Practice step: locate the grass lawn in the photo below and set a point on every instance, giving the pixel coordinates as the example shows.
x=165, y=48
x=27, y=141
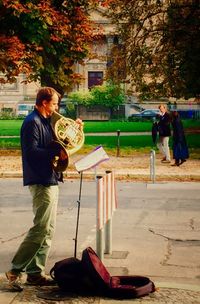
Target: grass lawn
x=109, y=126
x=125, y=142
x=12, y=127
x=139, y=141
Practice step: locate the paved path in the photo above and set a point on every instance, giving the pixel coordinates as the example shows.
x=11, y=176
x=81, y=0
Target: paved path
x=98, y=134
x=196, y=131
x=155, y=233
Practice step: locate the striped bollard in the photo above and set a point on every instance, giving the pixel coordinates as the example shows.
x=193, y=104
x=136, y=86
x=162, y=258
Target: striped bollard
x=111, y=205
x=113, y=192
x=108, y=209
x=100, y=218
x=153, y=165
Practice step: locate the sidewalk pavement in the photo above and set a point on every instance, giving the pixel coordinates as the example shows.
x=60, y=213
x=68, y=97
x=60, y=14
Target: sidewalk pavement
x=167, y=292
x=136, y=174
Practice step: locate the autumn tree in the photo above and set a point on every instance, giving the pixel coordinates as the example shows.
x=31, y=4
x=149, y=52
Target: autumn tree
x=161, y=43
x=44, y=39
x=116, y=64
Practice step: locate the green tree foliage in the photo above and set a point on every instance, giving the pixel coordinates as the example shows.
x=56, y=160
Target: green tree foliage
x=82, y=97
x=108, y=95
x=44, y=39
x=162, y=45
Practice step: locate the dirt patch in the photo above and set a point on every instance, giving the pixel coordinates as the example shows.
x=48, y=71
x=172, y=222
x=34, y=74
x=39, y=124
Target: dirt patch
x=133, y=167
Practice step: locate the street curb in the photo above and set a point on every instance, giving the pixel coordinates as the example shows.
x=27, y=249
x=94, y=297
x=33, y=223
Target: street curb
x=175, y=185
x=181, y=286
x=162, y=180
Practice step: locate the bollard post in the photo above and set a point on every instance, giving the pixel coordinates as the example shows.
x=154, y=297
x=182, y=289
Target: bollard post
x=108, y=219
x=100, y=218
x=152, y=165
x=108, y=236
x=118, y=143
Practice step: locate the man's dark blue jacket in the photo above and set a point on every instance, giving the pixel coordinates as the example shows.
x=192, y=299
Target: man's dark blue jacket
x=36, y=135
x=164, y=125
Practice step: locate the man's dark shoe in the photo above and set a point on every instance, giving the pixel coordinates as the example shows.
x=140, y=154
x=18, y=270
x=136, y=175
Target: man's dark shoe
x=175, y=165
x=39, y=280
x=182, y=161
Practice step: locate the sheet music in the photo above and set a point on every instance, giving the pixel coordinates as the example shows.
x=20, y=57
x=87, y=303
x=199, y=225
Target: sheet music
x=91, y=160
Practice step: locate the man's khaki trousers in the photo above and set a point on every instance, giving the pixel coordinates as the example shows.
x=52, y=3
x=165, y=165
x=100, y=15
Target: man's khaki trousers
x=33, y=252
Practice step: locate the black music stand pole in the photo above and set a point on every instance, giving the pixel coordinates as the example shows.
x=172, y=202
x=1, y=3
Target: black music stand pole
x=78, y=213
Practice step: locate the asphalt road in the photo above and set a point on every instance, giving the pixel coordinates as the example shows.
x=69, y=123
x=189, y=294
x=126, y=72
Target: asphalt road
x=156, y=227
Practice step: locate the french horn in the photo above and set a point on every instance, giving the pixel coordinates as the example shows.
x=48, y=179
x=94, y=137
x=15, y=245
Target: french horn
x=69, y=136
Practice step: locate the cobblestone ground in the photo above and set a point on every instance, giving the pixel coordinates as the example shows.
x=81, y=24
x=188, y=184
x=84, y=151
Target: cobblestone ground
x=47, y=295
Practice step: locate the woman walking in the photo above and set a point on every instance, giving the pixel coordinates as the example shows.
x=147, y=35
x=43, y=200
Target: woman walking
x=180, y=149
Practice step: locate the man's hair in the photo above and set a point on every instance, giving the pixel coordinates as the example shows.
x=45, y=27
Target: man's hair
x=162, y=104
x=45, y=93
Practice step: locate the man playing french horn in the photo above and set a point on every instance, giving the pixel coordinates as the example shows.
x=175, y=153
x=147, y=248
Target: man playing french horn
x=44, y=157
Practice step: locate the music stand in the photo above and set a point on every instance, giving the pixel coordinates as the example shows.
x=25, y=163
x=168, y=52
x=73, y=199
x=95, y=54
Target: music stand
x=78, y=214
x=91, y=160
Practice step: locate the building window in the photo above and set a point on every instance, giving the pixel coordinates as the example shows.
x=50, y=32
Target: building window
x=94, y=78
x=8, y=86
x=24, y=109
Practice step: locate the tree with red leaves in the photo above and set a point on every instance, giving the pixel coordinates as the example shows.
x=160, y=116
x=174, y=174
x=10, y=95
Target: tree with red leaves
x=44, y=39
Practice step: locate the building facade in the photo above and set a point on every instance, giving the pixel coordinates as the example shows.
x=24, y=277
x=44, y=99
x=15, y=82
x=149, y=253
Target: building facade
x=16, y=94
x=19, y=97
